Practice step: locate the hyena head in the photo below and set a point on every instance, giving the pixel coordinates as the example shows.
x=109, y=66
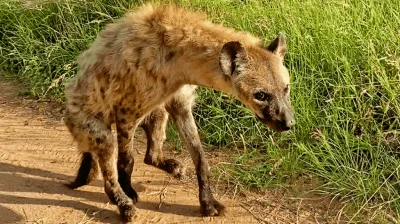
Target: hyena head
x=260, y=81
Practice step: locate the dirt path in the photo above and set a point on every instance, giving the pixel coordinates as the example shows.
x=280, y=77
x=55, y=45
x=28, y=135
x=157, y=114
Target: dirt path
x=38, y=156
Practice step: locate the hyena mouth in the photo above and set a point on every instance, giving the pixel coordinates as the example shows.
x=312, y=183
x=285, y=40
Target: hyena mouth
x=276, y=125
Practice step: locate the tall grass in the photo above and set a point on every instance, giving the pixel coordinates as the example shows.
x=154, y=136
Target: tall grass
x=344, y=60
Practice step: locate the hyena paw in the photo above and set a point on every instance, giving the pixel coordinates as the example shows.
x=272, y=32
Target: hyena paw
x=73, y=185
x=131, y=193
x=175, y=168
x=213, y=208
x=127, y=211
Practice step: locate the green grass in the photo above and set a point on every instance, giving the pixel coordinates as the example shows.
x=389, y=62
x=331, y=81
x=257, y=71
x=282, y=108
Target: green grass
x=344, y=60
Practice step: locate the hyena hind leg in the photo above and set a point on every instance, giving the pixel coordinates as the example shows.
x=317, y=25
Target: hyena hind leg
x=154, y=126
x=94, y=135
x=87, y=172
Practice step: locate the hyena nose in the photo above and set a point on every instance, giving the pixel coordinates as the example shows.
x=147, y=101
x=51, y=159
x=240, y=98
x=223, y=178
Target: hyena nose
x=290, y=123
x=288, y=119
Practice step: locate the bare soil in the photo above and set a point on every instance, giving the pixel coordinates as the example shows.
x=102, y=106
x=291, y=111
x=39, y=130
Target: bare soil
x=38, y=157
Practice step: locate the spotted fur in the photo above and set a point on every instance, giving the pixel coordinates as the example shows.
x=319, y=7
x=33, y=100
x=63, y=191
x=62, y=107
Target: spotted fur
x=142, y=70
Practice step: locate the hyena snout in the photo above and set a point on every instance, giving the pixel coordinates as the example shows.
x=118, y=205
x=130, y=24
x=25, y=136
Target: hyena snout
x=280, y=118
x=286, y=118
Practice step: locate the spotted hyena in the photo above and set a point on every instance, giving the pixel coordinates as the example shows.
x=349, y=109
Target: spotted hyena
x=145, y=67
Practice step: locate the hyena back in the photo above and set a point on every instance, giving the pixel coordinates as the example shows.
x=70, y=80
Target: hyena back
x=144, y=68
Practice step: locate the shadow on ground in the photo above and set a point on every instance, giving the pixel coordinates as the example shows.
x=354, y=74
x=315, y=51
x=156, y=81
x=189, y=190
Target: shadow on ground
x=22, y=179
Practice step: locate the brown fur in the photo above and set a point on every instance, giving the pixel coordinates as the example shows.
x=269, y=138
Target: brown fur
x=142, y=69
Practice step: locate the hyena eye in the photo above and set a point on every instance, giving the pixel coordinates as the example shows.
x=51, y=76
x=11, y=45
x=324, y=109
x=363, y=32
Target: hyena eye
x=261, y=96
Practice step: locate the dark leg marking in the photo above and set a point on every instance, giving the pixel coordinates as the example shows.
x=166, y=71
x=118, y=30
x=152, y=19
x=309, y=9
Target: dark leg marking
x=87, y=172
x=125, y=169
x=169, y=56
x=125, y=156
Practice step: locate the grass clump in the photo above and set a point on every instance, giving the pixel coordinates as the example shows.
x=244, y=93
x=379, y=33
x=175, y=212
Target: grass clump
x=344, y=59
x=40, y=40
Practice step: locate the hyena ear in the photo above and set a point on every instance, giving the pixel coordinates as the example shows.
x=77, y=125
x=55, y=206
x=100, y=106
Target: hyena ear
x=232, y=57
x=278, y=46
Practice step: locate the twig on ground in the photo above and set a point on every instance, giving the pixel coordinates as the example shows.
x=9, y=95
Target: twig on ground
x=102, y=209
x=391, y=218
x=253, y=214
x=26, y=217
x=162, y=193
x=297, y=212
x=83, y=217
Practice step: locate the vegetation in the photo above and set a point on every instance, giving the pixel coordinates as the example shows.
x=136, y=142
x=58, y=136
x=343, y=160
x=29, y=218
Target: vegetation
x=344, y=59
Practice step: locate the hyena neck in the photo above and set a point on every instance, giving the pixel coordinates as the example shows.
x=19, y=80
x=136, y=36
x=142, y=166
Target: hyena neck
x=201, y=67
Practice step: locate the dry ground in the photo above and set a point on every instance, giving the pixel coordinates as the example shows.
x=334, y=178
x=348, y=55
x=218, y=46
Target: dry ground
x=38, y=156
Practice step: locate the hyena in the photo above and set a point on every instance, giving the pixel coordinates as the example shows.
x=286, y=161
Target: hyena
x=145, y=67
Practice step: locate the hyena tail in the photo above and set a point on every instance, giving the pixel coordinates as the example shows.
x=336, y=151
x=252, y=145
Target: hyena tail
x=87, y=172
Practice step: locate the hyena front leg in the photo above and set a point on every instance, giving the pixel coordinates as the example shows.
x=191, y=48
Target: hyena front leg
x=88, y=170
x=94, y=135
x=180, y=110
x=154, y=126
x=125, y=162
